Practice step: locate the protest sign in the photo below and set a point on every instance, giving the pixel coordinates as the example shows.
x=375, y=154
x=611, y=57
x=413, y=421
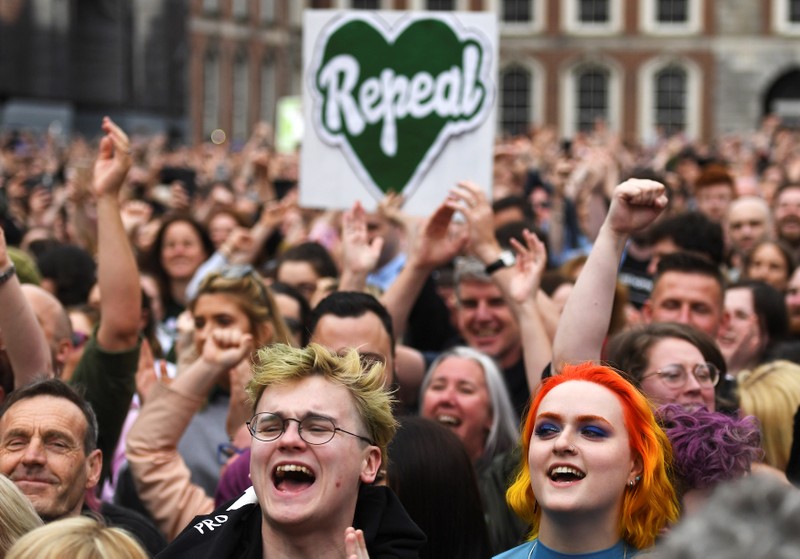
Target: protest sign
x=396, y=101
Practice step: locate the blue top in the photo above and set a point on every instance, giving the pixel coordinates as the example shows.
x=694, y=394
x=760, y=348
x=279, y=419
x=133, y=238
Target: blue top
x=384, y=277
x=526, y=551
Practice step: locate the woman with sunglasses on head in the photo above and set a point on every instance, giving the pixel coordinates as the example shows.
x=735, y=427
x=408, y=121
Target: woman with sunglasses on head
x=592, y=480
x=234, y=314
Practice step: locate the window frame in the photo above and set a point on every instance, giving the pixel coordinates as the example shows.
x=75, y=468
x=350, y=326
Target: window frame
x=649, y=24
x=780, y=19
x=348, y=5
x=571, y=24
x=568, y=83
x=420, y=5
x=535, y=92
x=535, y=25
x=647, y=96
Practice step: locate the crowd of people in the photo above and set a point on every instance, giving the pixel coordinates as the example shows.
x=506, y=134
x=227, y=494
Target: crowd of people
x=571, y=361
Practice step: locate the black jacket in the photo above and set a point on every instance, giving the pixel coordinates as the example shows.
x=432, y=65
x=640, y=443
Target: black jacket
x=234, y=529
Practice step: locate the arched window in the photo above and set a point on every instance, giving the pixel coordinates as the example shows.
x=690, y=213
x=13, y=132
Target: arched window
x=592, y=95
x=783, y=98
x=668, y=97
x=515, y=101
x=670, y=100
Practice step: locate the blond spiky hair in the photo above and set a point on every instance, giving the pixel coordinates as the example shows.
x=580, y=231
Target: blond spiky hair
x=282, y=364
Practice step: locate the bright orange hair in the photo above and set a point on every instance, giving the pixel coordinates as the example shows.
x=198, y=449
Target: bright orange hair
x=646, y=507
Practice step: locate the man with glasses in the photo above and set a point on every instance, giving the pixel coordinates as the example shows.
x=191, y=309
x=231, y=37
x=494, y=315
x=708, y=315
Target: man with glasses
x=320, y=428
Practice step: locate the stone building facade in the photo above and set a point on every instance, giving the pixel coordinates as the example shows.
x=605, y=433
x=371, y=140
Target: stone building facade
x=643, y=67
x=71, y=61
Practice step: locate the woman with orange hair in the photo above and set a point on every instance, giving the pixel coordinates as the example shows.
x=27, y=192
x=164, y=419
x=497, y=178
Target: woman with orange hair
x=592, y=479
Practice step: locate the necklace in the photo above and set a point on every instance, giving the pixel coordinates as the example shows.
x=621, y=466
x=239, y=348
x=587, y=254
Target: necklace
x=624, y=550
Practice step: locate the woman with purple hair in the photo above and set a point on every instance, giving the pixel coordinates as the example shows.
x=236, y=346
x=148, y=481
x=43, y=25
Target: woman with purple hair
x=708, y=448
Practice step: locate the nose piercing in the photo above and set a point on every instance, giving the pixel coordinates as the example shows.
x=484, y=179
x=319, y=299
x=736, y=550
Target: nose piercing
x=571, y=448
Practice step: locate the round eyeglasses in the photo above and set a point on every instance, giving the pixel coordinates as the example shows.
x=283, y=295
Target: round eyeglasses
x=313, y=429
x=676, y=375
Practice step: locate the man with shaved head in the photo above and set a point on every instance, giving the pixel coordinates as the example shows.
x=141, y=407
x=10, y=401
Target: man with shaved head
x=747, y=223
x=54, y=322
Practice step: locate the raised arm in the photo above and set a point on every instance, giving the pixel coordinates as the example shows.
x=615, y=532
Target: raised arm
x=584, y=323
x=433, y=246
x=242, y=245
x=22, y=336
x=359, y=256
x=117, y=273
x=107, y=369
x=162, y=478
x=519, y=284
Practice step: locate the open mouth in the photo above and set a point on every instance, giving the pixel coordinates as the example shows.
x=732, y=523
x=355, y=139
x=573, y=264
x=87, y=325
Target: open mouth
x=565, y=474
x=448, y=420
x=486, y=331
x=292, y=477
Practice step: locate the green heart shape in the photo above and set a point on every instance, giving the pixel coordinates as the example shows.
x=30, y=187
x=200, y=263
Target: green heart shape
x=437, y=86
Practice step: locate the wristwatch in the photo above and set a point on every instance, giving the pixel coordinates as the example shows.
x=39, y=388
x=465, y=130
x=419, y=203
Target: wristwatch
x=505, y=260
x=8, y=274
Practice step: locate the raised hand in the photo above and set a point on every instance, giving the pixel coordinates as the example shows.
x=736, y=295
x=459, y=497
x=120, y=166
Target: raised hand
x=635, y=204
x=146, y=373
x=470, y=200
x=275, y=211
x=226, y=347
x=583, y=325
x=359, y=255
x=113, y=160
x=434, y=243
x=135, y=214
x=240, y=247
x=529, y=267
x=391, y=207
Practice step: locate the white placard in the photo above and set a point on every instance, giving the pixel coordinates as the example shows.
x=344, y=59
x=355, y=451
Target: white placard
x=400, y=100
